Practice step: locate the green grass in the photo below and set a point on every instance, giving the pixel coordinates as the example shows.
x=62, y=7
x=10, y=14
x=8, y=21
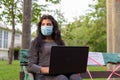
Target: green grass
x=97, y=68
x=9, y=72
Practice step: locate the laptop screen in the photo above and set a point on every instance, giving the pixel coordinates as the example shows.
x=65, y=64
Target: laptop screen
x=68, y=59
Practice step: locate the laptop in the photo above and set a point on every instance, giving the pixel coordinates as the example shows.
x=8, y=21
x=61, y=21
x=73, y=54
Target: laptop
x=68, y=59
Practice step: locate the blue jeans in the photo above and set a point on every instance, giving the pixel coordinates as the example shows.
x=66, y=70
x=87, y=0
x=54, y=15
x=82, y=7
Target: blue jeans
x=58, y=77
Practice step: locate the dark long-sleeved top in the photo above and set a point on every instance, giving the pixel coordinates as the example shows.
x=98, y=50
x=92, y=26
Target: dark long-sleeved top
x=39, y=58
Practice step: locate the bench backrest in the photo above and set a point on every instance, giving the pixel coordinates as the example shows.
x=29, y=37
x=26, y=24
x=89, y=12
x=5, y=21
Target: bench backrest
x=24, y=57
x=108, y=57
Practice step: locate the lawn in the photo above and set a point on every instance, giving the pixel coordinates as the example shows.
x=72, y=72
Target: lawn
x=9, y=72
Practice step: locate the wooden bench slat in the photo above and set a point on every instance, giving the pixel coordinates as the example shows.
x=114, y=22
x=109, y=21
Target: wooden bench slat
x=100, y=74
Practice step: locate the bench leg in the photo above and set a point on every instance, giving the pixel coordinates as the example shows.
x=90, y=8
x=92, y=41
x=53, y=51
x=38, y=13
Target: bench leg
x=21, y=75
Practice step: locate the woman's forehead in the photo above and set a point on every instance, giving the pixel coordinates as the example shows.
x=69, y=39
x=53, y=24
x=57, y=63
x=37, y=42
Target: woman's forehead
x=46, y=21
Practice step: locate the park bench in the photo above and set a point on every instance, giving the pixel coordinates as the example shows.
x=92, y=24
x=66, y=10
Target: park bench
x=107, y=57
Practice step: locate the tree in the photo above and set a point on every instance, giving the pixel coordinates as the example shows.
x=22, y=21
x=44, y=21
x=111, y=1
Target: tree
x=26, y=28
x=8, y=16
x=89, y=29
x=98, y=21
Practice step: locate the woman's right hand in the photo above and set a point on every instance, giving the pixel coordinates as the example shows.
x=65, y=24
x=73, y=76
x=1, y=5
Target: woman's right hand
x=44, y=70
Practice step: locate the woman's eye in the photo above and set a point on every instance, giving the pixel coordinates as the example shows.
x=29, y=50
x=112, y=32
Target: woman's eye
x=49, y=24
x=42, y=24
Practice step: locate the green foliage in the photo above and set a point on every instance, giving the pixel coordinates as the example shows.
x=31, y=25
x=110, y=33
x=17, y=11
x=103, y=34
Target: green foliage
x=59, y=16
x=6, y=14
x=17, y=49
x=37, y=10
x=54, y=1
x=88, y=30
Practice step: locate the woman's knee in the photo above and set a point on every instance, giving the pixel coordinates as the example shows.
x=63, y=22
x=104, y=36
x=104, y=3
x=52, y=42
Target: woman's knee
x=75, y=77
x=39, y=77
x=61, y=77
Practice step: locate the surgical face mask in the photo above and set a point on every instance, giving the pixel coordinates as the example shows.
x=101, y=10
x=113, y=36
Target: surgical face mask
x=46, y=30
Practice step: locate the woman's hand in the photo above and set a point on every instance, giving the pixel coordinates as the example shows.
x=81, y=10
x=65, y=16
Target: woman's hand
x=44, y=70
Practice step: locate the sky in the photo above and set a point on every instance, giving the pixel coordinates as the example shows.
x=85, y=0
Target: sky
x=72, y=8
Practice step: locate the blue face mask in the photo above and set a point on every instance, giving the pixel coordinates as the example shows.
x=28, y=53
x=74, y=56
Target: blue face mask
x=46, y=30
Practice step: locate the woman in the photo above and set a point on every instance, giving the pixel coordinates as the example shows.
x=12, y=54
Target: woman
x=39, y=55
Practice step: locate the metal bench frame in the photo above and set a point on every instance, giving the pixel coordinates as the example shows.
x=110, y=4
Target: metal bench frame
x=25, y=75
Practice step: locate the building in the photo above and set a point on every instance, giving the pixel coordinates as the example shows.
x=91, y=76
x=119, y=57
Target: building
x=5, y=41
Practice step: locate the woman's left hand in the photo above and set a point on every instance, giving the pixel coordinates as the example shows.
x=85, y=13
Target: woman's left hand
x=44, y=70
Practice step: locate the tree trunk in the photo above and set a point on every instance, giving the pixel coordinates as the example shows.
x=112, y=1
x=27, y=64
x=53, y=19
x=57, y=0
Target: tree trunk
x=11, y=49
x=26, y=24
x=113, y=30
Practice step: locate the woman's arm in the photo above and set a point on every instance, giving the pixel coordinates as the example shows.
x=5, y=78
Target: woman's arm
x=33, y=59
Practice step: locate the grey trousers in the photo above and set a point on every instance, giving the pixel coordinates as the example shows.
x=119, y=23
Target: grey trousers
x=58, y=77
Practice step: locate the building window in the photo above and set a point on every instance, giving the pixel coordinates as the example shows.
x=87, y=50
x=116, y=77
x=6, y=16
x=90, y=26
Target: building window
x=5, y=45
x=0, y=38
x=17, y=36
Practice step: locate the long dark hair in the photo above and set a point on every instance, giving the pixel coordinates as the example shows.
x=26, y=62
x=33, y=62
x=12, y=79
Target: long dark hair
x=56, y=35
